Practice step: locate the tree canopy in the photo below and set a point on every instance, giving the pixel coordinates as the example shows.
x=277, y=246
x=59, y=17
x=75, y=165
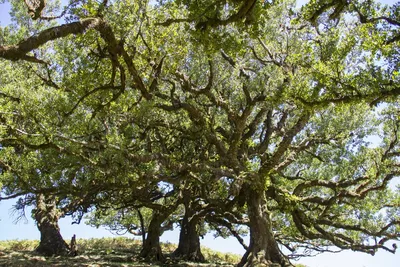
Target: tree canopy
x=227, y=115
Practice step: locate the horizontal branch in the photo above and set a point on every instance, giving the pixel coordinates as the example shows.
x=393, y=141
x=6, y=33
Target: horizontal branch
x=19, y=51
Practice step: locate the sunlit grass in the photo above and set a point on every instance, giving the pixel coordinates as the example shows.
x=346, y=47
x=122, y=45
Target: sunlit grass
x=120, y=251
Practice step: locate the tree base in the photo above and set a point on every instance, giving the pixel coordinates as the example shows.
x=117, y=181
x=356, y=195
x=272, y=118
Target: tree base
x=259, y=259
x=194, y=257
x=153, y=254
x=59, y=249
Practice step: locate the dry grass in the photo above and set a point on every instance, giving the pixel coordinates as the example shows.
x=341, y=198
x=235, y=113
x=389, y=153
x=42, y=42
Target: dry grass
x=100, y=252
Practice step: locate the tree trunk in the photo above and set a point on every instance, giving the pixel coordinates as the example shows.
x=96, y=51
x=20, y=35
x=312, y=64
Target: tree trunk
x=189, y=240
x=151, y=250
x=263, y=249
x=142, y=227
x=46, y=216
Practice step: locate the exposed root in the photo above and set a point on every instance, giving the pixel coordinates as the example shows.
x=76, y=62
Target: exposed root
x=260, y=260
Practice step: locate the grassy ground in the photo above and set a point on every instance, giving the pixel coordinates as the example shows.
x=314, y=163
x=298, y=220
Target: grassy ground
x=100, y=252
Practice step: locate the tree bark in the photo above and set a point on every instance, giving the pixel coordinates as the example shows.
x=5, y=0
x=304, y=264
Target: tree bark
x=142, y=227
x=189, y=239
x=46, y=216
x=19, y=51
x=263, y=249
x=151, y=250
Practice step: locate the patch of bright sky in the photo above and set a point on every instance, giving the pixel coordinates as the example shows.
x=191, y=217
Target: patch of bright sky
x=5, y=18
x=28, y=230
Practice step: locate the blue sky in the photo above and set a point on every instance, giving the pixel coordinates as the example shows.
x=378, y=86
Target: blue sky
x=28, y=230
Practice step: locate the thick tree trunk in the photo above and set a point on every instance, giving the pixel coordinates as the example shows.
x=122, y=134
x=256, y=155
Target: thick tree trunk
x=189, y=241
x=263, y=249
x=46, y=216
x=151, y=250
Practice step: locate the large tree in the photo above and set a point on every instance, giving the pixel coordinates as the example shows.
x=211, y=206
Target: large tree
x=276, y=105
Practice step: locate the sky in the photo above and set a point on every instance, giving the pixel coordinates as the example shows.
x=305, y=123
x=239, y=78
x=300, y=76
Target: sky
x=27, y=229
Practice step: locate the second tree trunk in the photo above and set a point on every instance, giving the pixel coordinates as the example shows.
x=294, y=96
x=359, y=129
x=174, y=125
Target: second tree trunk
x=151, y=250
x=189, y=241
x=263, y=249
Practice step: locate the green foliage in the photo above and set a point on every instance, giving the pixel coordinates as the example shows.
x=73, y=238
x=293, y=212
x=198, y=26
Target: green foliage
x=209, y=105
x=121, y=221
